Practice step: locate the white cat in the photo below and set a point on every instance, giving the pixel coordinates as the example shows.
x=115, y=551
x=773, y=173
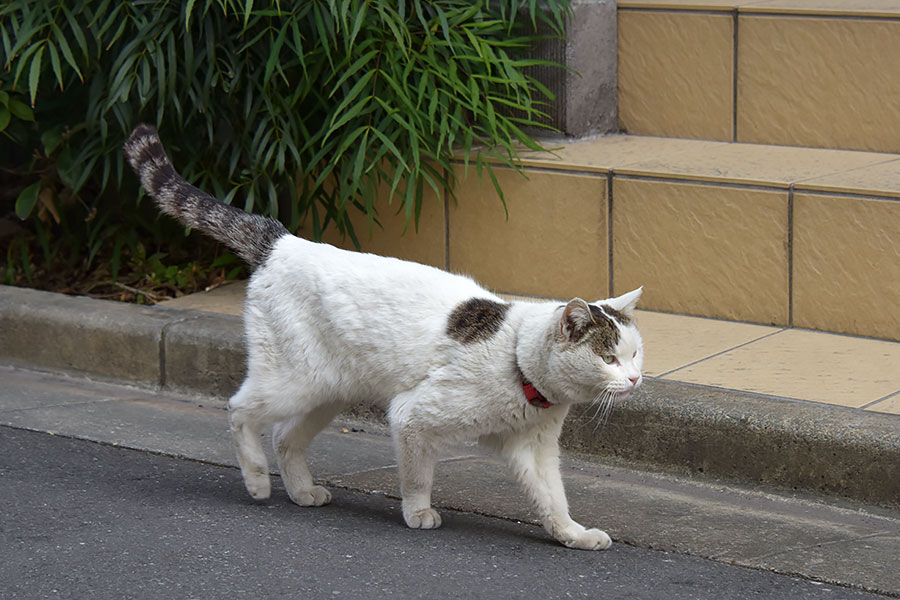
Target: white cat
x=448, y=360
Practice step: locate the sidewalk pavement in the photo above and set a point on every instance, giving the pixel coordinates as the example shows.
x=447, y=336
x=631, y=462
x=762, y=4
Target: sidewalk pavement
x=789, y=533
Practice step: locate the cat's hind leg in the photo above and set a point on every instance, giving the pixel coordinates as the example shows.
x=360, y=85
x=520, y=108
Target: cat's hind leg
x=291, y=439
x=246, y=413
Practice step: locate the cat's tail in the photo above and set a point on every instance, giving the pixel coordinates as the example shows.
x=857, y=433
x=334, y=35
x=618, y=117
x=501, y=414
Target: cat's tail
x=250, y=236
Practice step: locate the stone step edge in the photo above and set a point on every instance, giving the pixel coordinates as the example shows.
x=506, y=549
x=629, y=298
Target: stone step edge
x=666, y=425
x=581, y=156
x=753, y=7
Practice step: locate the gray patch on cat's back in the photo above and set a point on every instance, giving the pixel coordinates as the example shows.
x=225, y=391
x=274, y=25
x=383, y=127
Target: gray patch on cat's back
x=476, y=320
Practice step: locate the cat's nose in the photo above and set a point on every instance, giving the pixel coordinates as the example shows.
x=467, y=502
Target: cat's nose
x=634, y=380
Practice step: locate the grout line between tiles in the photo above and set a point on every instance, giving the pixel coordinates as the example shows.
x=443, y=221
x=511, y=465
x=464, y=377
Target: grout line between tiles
x=609, y=217
x=667, y=373
x=569, y=169
x=790, y=254
x=880, y=400
x=694, y=179
x=843, y=193
x=734, y=79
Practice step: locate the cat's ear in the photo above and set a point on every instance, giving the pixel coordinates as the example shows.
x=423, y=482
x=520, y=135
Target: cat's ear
x=576, y=319
x=626, y=302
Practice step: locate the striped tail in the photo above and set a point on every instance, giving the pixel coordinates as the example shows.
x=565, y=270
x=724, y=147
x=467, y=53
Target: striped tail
x=250, y=236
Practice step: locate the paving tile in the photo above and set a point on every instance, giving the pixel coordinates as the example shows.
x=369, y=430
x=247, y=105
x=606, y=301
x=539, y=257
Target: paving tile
x=723, y=5
x=881, y=179
x=675, y=341
x=871, y=553
x=676, y=74
x=554, y=242
x=607, y=152
x=889, y=405
x=847, y=265
x=805, y=365
x=227, y=299
x=750, y=164
x=42, y=392
x=851, y=8
x=702, y=250
x=724, y=162
x=819, y=82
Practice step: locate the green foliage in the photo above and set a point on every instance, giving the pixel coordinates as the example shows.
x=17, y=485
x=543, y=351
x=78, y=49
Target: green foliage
x=300, y=111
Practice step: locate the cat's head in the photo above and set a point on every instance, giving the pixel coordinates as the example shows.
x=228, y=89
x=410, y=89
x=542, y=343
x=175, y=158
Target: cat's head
x=597, y=349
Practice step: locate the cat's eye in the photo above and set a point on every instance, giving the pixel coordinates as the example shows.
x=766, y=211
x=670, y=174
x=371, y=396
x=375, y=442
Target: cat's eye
x=610, y=359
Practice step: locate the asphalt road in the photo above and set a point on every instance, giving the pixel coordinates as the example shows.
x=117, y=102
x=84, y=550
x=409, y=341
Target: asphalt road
x=84, y=520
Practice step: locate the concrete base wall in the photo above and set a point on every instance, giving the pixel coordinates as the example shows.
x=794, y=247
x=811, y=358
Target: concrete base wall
x=586, y=92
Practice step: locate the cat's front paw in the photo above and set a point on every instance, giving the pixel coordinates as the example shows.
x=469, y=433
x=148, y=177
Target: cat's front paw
x=258, y=485
x=589, y=539
x=314, y=496
x=423, y=519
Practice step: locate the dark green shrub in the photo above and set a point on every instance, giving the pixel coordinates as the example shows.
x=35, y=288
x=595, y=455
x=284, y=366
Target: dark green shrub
x=298, y=110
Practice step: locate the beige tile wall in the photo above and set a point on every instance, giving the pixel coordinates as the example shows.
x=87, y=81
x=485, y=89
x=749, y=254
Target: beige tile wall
x=703, y=226
x=821, y=82
x=702, y=249
x=395, y=237
x=554, y=244
x=819, y=74
x=676, y=74
x=847, y=265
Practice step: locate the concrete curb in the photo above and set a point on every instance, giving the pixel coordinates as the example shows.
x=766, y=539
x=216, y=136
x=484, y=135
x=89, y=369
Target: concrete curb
x=719, y=433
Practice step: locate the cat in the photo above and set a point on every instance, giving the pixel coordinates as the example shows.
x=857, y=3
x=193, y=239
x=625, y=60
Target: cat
x=448, y=360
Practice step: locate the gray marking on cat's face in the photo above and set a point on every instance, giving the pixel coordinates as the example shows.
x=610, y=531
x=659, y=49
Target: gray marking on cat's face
x=603, y=335
x=598, y=330
x=615, y=314
x=476, y=320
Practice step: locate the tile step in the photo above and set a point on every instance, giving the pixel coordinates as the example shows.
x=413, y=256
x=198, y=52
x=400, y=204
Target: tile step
x=776, y=235
x=843, y=8
x=875, y=174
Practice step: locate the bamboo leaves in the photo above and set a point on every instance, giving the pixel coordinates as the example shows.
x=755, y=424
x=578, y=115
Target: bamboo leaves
x=299, y=110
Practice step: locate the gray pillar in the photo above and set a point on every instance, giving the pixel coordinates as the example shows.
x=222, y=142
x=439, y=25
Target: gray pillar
x=585, y=99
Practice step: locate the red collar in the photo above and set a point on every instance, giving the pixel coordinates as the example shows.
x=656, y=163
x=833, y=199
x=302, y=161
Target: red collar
x=534, y=397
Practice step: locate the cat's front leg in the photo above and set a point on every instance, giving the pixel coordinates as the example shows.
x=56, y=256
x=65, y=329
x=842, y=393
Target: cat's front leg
x=535, y=463
x=416, y=459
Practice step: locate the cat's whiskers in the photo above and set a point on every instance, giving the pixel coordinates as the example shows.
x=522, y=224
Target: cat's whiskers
x=604, y=402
